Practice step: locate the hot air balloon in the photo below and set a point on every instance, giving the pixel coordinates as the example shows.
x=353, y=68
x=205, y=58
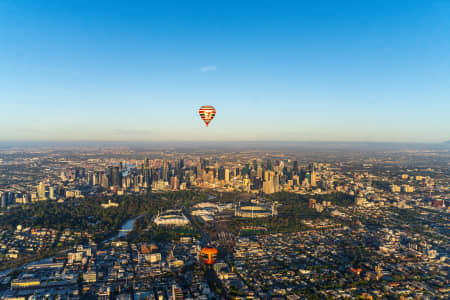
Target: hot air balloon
x=208, y=255
x=207, y=113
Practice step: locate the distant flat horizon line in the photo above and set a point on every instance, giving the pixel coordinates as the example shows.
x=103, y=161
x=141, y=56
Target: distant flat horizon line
x=92, y=141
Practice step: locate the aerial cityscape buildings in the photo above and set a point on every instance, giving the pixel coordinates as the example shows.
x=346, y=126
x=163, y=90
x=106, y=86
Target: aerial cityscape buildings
x=121, y=223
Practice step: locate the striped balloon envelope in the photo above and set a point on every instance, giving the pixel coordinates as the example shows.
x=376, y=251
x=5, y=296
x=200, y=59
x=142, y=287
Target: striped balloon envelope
x=207, y=113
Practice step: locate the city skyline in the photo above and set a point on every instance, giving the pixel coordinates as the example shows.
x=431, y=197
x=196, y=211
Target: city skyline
x=363, y=72
x=148, y=223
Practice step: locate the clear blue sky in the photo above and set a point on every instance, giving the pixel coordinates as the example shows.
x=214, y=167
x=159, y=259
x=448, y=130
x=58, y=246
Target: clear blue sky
x=274, y=70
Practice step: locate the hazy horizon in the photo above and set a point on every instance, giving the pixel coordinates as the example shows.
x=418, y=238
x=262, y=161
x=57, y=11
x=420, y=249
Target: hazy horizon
x=321, y=146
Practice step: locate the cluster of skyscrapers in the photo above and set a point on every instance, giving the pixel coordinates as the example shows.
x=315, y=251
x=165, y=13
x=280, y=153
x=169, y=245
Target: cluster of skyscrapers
x=159, y=175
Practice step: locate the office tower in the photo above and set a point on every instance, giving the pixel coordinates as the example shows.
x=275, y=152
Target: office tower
x=269, y=175
x=276, y=183
x=123, y=165
x=116, y=177
x=268, y=187
x=266, y=176
x=79, y=173
x=181, y=164
x=154, y=176
x=96, y=178
x=313, y=178
x=146, y=173
x=203, y=163
x=175, y=183
x=269, y=164
x=41, y=191
x=140, y=180
x=165, y=170
x=104, y=181
x=211, y=176
x=307, y=180
x=227, y=175
x=51, y=193
x=221, y=173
